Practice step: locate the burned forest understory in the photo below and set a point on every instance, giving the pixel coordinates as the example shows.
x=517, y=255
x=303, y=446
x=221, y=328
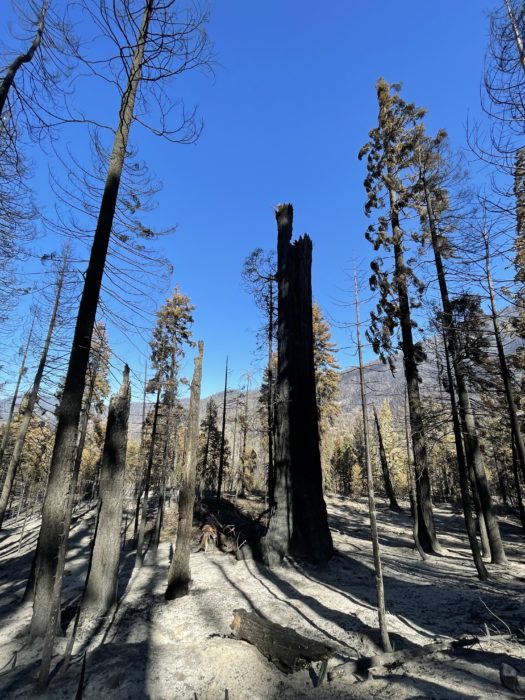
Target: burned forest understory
x=143, y=648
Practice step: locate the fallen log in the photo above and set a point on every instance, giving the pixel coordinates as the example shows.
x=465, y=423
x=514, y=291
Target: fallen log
x=397, y=658
x=283, y=646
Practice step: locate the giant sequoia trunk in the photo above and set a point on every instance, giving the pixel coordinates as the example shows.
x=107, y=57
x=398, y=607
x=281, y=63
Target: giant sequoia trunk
x=179, y=575
x=56, y=516
x=101, y=589
x=298, y=521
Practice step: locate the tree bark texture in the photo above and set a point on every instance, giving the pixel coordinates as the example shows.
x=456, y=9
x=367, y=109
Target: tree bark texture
x=286, y=648
x=179, y=575
x=298, y=521
x=101, y=590
x=55, y=521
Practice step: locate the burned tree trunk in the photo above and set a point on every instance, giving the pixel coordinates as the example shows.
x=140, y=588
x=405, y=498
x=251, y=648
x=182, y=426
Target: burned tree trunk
x=389, y=488
x=29, y=402
x=298, y=521
x=179, y=574
x=223, y=436
x=101, y=590
x=139, y=556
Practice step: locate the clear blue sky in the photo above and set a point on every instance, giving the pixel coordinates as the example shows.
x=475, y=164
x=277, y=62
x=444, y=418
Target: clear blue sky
x=289, y=107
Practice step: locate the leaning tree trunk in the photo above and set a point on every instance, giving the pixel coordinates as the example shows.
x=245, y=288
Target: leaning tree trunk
x=55, y=521
x=179, y=575
x=29, y=402
x=6, y=83
x=473, y=450
x=298, y=521
x=7, y=424
x=389, y=487
x=101, y=589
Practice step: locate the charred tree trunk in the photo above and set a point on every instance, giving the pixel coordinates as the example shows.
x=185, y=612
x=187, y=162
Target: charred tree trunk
x=473, y=450
x=139, y=557
x=389, y=488
x=380, y=588
x=270, y=401
x=179, y=575
x=29, y=402
x=12, y=69
x=412, y=486
x=517, y=437
x=517, y=485
x=223, y=436
x=425, y=513
x=298, y=522
x=7, y=424
x=101, y=590
x=464, y=475
x=54, y=520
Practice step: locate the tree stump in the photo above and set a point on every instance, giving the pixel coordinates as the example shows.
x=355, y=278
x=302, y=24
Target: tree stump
x=283, y=646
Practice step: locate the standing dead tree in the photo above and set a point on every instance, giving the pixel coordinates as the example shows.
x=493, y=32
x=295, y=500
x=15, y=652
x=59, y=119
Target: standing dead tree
x=179, y=575
x=101, y=589
x=380, y=588
x=29, y=403
x=155, y=43
x=298, y=522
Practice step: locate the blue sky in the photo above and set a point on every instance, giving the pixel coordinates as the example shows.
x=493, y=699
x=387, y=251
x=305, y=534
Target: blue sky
x=288, y=109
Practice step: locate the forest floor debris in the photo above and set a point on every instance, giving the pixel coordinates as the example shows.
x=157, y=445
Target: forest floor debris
x=158, y=650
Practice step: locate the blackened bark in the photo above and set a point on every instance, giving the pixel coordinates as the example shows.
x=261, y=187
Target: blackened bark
x=470, y=525
x=56, y=522
x=389, y=487
x=298, y=522
x=101, y=590
x=139, y=556
x=179, y=575
x=473, y=450
x=223, y=436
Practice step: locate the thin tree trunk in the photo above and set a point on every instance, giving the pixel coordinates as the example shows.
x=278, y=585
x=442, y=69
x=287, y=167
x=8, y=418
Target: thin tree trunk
x=54, y=519
x=179, y=575
x=473, y=450
x=463, y=474
x=504, y=367
x=141, y=455
x=389, y=488
x=12, y=69
x=517, y=485
x=270, y=402
x=101, y=590
x=139, y=557
x=223, y=436
x=29, y=401
x=380, y=589
x=298, y=522
x=7, y=424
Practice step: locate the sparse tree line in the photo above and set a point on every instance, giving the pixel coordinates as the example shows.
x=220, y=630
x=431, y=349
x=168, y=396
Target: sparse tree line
x=449, y=320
